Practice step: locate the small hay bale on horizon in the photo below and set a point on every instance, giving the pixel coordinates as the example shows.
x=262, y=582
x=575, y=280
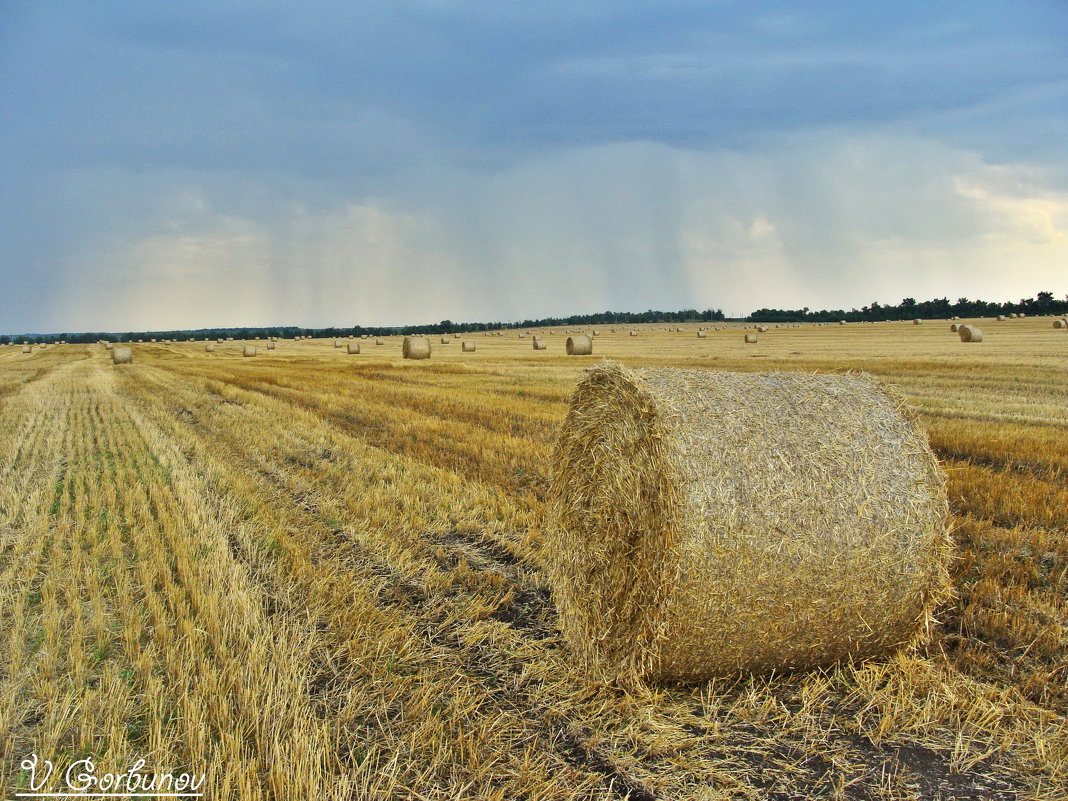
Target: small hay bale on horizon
x=678, y=550
x=579, y=345
x=917, y=321
x=415, y=348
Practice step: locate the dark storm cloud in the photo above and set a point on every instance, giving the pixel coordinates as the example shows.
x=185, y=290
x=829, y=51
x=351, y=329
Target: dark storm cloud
x=132, y=129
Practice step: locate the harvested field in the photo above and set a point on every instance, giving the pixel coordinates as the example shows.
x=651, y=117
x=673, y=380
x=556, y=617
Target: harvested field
x=306, y=577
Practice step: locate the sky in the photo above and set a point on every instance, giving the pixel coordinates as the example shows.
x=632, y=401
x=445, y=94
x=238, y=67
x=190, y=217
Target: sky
x=197, y=164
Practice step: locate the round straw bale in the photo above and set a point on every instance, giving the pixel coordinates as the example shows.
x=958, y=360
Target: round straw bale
x=521, y=335
x=579, y=345
x=750, y=339
x=970, y=333
x=249, y=350
x=121, y=356
x=954, y=327
x=1060, y=323
x=379, y=342
x=634, y=333
x=354, y=347
x=762, y=329
x=108, y=345
x=270, y=346
x=701, y=334
x=1001, y=318
x=27, y=349
x=840, y=322
x=679, y=549
x=917, y=321
x=539, y=344
x=467, y=347
x=444, y=340
x=210, y=347
x=337, y=343
x=416, y=348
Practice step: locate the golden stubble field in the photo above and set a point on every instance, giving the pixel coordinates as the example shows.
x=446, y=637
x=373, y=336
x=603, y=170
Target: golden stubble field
x=310, y=574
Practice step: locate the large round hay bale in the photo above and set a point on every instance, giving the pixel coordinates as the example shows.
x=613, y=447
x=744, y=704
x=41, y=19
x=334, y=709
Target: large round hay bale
x=249, y=350
x=467, y=347
x=27, y=349
x=680, y=548
x=750, y=339
x=416, y=348
x=579, y=345
x=270, y=345
x=540, y=344
x=1060, y=323
x=121, y=356
x=354, y=347
x=954, y=328
x=337, y=343
x=108, y=346
x=702, y=334
x=762, y=329
x=210, y=347
x=444, y=340
x=970, y=333
x=634, y=333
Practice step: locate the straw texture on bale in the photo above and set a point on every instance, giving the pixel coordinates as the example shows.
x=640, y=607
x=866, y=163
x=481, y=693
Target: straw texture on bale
x=27, y=349
x=210, y=347
x=108, y=345
x=270, y=345
x=970, y=333
x=416, y=348
x=917, y=321
x=1001, y=318
x=702, y=334
x=1060, y=324
x=379, y=342
x=634, y=333
x=337, y=343
x=580, y=345
x=249, y=350
x=750, y=339
x=444, y=340
x=354, y=347
x=762, y=329
x=954, y=328
x=540, y=344
x=467, y=347
x=681, y=548
x=121, y=356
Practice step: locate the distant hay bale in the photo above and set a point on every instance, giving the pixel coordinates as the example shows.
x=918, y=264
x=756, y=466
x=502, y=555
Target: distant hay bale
x=380, y=342
x=579, y=345
x=679, y=549
x=954, y=327
x=1001, y=318
x=596, y=333
x=634, y=333
x=219, y=340
x=521, y=335
x=108, y=346
x=210, y=347
x=337, y=343
x=416, y=348
x=840, y=322
x=762, y=329
x=970, y=333
x=270, y=346
x=750, y=339
x=1014, y=316
x=353, y=347
x=467, y=347
x=702, y=334
x=1060, y=323
x=249, y=350
x=917, y=321
x=121, y=356
x=444, y=340
x=539, y=344
x=27, y=349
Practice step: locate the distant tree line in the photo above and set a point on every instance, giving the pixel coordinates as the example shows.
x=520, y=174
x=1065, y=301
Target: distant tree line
x=443, y=327
x=908, y=309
